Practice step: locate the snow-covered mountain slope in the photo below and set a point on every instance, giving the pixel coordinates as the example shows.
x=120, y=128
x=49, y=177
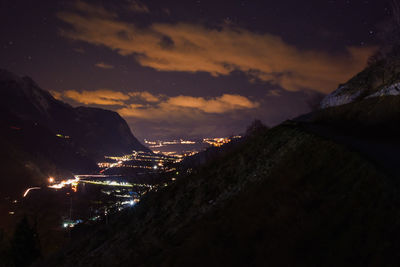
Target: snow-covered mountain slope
x=393, y=89
x=374, y=81
x=345, y=95
x=380, y=78
x=340, y=96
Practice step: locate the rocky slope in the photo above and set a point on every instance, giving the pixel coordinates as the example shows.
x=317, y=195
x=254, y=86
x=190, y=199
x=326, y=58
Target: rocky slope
x=380, y=78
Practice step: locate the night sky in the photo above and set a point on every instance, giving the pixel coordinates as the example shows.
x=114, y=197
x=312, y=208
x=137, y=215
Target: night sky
x=190, y=68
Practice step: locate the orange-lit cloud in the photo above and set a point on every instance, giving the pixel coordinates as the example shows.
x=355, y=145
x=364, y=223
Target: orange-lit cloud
x=152, y=106
x=224, y=103
x=98, y=97
x=56, y=94
x=161, y=106
x=146, y=96
x=181, y=106
x=104, y=65
x=194, y=48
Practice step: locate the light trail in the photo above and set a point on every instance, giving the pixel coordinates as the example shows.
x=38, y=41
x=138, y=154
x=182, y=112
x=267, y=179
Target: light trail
x=29, y=189
x=107, y=183
x=95, y=175
x=114, y=183
x=85, y=179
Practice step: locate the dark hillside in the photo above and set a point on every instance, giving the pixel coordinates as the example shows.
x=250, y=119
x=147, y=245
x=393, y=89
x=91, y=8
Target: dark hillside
x=282, y=197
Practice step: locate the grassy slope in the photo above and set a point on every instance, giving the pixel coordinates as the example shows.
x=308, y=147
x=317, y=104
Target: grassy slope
x=284, y=197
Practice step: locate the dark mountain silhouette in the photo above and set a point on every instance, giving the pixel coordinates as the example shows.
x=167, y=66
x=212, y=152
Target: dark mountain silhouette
x=42, y=136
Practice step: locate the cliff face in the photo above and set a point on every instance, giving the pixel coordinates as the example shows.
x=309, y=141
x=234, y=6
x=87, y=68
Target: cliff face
x=345, y=94
x=43, y=136
x=103, y=132
x=380, y=78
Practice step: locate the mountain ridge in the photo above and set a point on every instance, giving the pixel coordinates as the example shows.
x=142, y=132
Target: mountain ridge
x=53, y=137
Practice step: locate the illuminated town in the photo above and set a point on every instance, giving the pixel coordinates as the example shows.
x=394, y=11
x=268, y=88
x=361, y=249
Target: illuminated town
x=181, y=148
x=120, y=184
x=121, y=180
x=211, y=141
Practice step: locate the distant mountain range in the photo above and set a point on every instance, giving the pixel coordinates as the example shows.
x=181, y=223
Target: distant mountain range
x=42, y=136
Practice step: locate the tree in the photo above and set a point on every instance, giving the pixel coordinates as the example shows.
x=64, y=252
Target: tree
x=25, y=244
x=255, y=127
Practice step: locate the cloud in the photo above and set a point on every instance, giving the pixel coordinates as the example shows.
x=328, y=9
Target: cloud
x=274, y=92
x=146, y=96
x=56, y=94
x=104, y=65
x=170, y=116
x=98, y=97
x=138, y=7
x=222, y=104
x=143, y=104
x=188, y=106
x=187, y=47
x=175, y=122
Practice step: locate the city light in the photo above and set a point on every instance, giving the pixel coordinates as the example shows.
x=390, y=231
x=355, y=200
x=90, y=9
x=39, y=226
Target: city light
x=64, y=183
x=126, y=193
